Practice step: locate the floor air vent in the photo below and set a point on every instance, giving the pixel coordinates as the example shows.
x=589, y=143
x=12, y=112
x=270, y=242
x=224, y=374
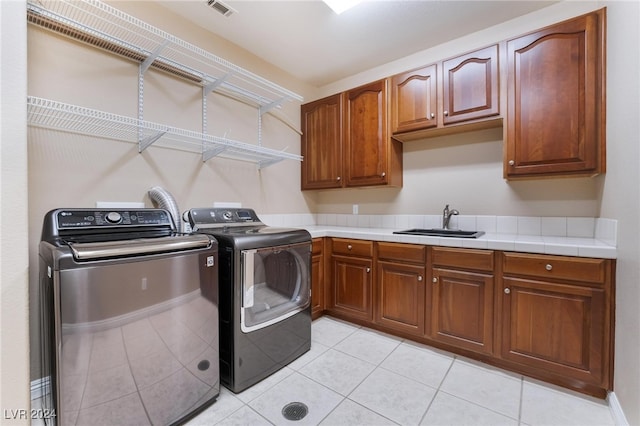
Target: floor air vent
x=221, y=7
x=294, y=411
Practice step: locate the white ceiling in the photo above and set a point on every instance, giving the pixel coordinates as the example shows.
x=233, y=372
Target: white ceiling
x=308, y=40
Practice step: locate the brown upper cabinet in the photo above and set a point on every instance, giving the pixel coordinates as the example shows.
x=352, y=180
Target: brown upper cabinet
x=322, y=143
x=553, y=86
x=346, y=140
x=414, y=100
x=372, y=157
x=468, y=92
x=556, y=100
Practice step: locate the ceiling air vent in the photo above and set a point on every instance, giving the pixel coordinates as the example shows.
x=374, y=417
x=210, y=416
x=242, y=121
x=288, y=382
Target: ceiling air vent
x=221, y=7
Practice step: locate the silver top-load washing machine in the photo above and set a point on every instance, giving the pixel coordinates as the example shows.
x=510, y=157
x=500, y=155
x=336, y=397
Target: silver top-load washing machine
x=265, y=310
x=129, y=309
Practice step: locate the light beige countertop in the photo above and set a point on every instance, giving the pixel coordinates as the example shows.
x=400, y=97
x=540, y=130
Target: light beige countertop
x=565, y=236
x=565, y=246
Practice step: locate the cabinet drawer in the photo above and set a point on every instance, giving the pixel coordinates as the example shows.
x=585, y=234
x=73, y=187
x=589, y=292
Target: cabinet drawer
x=316, y=246
x=402, y=252
x=352, y=247
x=558, y=267
x=480, y=260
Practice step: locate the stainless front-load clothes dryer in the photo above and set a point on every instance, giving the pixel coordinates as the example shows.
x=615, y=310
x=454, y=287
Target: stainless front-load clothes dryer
x=265, y=310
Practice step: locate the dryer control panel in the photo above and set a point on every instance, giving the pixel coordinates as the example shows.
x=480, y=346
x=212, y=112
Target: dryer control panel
x=221, y=217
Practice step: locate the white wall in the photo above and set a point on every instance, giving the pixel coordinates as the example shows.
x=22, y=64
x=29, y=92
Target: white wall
x=621, y=193
x=14, y=298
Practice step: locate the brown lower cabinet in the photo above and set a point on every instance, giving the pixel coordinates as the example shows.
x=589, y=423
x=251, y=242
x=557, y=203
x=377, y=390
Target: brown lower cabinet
x=462, y=298
x=557, y=315
x=351, y=288
x=400, y=287
x=548, y=317
x=317, y=278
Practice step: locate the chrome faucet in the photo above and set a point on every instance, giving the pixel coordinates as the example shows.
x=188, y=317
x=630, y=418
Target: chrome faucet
x=446, y=216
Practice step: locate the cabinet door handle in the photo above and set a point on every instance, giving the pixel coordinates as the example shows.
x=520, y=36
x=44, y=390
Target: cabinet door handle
x=338, y=178
x=548, y=267
x=512, y=163
x=349, y=247
x=446, y=113
x=435, y=279
x=383, y=174
x=507, y=290
x=419, y=277
x=368, y=270
x=433, y=115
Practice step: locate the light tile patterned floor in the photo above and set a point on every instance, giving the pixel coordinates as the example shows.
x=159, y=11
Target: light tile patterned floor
x=356, y=376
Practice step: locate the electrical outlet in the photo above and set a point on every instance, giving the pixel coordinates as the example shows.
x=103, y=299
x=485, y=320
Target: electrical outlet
x=355, y=209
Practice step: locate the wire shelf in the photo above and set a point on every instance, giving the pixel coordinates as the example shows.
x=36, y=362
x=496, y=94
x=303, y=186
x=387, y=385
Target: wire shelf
x=55, y=115
x=101, y=25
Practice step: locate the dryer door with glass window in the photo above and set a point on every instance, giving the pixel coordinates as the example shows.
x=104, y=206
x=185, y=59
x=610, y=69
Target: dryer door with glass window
x=275, y=284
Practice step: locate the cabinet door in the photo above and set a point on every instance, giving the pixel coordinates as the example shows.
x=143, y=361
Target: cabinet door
x=414, y=100
x=366, y=135
x=401, y=297
x=558, y=328
x=462, y=311
x=471, y=86
x=351, y=287
x=555, y=118
x=321, y=148
x=317, y=285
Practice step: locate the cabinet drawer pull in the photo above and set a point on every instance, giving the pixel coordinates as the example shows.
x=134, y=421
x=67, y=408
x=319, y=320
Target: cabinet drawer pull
x=419, y=277
x=368, y=270
x=338, y=178
x=507, y=291
x=435, y=279
x=349, y=247
x=433, y=115
x=446, y=113
x=511, y=162
x=383, y=174
x=548, y=267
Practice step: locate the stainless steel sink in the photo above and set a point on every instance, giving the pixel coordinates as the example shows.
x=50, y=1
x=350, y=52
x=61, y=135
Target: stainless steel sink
x=435, y=232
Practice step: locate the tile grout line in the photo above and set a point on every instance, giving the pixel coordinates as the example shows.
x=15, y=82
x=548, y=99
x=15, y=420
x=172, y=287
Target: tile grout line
x=462, y=359
x=521, y=398
x=438, y=389
x=376, y=366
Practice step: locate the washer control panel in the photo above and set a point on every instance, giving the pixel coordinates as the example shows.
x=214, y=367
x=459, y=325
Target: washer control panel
x=77, y=219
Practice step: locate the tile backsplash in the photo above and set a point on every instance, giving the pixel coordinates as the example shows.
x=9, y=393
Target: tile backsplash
x=574, y=227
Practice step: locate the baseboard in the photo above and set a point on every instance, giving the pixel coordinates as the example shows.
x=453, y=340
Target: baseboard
x=40, y=387
x=616, y=410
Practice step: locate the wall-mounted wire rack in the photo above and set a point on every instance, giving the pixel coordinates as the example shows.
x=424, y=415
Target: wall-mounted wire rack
x=100, y=25
x=48, y=114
